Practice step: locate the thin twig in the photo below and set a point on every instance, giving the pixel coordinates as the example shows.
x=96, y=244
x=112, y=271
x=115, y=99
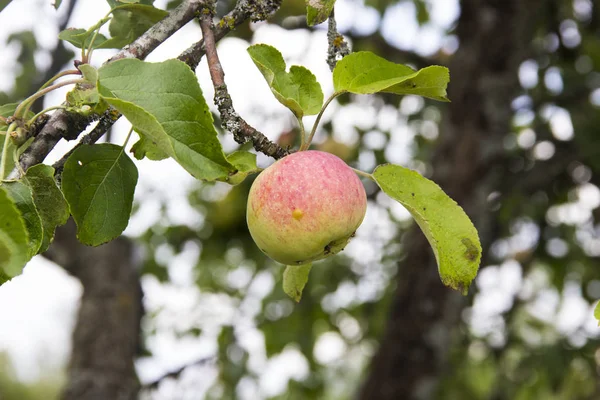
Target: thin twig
x=337, y=45
x=230, y=120
x=176, y=373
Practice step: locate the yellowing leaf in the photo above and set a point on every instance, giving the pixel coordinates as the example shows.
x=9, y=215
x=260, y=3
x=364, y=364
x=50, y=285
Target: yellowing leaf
x=448, y=229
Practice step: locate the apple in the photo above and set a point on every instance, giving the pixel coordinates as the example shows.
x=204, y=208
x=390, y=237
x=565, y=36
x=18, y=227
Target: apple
x=305, y=207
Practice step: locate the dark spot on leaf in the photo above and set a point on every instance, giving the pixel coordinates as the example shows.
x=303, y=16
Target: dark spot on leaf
x=327, y=249
x=424, y=208
x=471, y=251
x=413, y=195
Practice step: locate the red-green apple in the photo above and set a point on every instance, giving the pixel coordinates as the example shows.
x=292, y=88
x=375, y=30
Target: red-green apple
x=305, y=207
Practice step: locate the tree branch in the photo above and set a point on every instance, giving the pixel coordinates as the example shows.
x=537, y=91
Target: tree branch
x=68, y=125
x=240, y=13
x=161, y=31
x=337, y=46
x=176, y=373
x=230, y=120
x=61, y=123
x=107, y=120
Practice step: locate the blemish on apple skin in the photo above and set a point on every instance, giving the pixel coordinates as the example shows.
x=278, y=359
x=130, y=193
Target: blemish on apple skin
x=297, y=214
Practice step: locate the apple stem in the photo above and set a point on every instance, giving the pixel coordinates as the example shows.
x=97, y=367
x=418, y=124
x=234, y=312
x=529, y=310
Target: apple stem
x=363, y=174
x=306, y=144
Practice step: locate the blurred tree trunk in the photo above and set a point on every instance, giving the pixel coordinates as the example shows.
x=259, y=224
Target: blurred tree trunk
x=107, y=334
x=495, y=37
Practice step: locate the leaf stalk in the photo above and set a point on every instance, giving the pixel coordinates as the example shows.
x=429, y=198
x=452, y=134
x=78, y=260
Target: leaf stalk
x=306, y=144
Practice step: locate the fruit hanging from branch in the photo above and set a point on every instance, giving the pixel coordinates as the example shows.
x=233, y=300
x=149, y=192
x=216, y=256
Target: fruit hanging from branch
x=305, y=207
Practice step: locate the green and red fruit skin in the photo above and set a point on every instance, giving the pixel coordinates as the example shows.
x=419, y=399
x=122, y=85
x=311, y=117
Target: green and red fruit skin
x=305, y=207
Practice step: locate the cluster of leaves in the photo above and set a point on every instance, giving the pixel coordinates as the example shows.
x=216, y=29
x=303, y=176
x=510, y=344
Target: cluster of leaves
x=165, y=105
x=449, y=230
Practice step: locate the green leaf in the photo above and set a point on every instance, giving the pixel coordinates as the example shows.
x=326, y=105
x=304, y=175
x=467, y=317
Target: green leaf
x=14, y=243
x=115, y=3
x=21, y=195
x=80, y=96
x=89, y=73
x=298, y=89
x=317, y=11
x=294, y=280
x=3, y=277
x=57, y=4
x=597, y=312
x=448, y=229
x=164, y=102
x=131, y=21
x=147, y=148
x=364, y=72
x=86, y=94
x=245, y=164
x=49, y=201
x=81, y=38
x=3, y=4
x=7, y=110
x=422, y=12
x=98, y=182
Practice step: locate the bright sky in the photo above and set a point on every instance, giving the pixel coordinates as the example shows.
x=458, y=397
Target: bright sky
x=42, y=302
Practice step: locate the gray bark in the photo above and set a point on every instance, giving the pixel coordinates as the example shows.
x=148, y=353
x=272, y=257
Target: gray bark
x=106, y=338
x=495, y=37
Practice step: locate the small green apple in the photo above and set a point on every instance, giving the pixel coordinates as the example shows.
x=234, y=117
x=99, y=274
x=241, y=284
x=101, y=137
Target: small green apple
x=305, y=207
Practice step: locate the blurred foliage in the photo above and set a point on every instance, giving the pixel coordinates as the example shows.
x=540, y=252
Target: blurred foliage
x=547, y=205
x=520, y=354
x=46, y=387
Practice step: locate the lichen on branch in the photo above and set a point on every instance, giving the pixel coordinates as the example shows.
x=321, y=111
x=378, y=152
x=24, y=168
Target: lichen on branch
x=230, y=120
x=337, y=46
